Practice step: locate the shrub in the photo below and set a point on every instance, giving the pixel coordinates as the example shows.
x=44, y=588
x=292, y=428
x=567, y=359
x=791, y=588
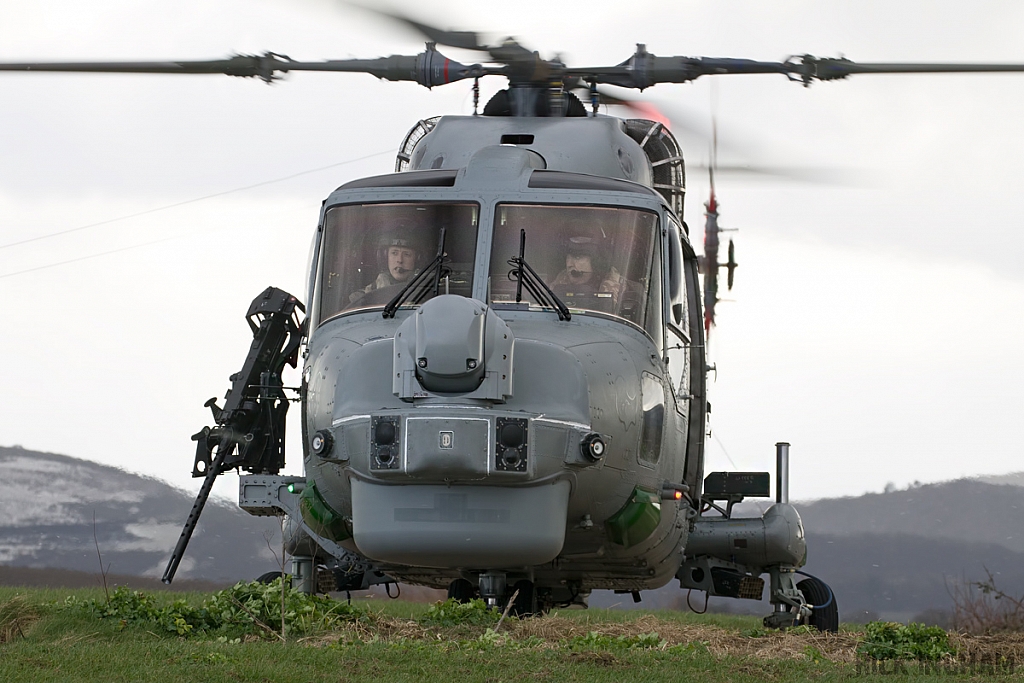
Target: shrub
x=981, y=607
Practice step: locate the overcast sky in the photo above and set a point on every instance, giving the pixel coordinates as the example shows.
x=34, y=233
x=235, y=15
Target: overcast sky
x=875, y=325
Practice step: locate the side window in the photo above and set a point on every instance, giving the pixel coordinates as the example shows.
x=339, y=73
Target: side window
x=654, y=321
x=653, y=420
x=677, y=349
x=677, y=279
x=677, y=335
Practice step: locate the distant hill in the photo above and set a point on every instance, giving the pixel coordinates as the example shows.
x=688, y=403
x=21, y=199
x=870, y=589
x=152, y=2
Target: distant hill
x=48, y=506
x=962, y=510
x=69, y=578
x=897, y=554
x=1013, y=479
x=899, y=576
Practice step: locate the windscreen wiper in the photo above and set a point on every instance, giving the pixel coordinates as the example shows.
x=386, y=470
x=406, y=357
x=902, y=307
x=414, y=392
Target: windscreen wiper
x=427, y=279
x=526, y=276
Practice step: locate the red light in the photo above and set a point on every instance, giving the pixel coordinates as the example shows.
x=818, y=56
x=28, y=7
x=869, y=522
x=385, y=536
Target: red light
x=679, y=495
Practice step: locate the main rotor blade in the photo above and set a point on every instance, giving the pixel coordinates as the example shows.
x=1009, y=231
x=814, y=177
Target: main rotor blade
x=429, y=68
x=845, y=177
x=238, y=65
x=826, y=69
x=466, y=40
x=643, y=69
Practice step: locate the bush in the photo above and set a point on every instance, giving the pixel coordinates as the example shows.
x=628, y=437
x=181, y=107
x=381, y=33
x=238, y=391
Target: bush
x=981, y=607
x=889, y=640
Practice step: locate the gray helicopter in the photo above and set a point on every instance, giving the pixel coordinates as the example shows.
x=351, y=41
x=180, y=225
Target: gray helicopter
x=503, y=362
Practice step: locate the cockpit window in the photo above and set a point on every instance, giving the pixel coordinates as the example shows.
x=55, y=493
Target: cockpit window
x=594, y=258
x=371, y=251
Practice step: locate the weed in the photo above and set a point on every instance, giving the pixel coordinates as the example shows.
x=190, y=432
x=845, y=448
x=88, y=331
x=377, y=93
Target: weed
x=814, y=654
x=889, y=640
x=490, y=638
x=598, y=641
x=530, y=642
x=454, y=613
x=244, y=609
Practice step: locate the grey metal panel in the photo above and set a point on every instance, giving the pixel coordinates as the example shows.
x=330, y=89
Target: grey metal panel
x=351, y=436
x=498, y=167
x=460, y=526
x=549, y=381
x=468, y=456
x=359, y=387
x=593, y=145
x=357, y=436
x=267, y=496
x=584, y=328
x=549, y=440
x=564, y=180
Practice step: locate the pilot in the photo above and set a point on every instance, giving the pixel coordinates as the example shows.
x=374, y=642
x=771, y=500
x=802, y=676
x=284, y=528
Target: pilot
x=586, y=264
x=398, y=256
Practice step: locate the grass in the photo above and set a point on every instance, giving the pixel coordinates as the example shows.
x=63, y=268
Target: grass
x=398, y=641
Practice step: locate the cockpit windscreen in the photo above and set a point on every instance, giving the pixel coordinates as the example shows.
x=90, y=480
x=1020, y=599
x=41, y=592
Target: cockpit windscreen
x=594, y=258
x=371, y=251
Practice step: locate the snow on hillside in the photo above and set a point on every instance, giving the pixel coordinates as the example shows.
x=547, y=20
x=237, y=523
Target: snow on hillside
x=50, y=502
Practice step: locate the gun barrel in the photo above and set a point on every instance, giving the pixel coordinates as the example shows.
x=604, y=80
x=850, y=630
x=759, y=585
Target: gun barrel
x=193, y=516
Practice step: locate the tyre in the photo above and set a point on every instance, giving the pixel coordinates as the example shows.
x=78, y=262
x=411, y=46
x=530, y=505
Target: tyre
x=825, y=616
x=461, y=590
x=269, y=577
x=525, y=604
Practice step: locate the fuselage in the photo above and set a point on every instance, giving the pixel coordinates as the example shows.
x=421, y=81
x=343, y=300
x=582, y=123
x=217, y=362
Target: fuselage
x=462, y=426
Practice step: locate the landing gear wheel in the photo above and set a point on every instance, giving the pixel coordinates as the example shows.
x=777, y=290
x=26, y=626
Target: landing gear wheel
x=269, y=577
x=525, y=604
x=825, y=616
x=461, y=590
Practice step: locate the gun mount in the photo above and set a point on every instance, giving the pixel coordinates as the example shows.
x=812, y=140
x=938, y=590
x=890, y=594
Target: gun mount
x=249, y=431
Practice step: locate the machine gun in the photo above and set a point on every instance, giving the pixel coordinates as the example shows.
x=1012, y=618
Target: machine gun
x=249, y=433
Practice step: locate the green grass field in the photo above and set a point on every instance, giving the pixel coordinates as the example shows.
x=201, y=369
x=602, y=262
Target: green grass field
x=42, y=638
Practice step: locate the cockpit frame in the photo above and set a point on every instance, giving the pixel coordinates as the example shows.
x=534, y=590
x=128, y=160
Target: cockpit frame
x=637, y=197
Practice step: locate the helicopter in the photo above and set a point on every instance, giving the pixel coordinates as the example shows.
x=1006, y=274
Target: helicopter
x=585, y=409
